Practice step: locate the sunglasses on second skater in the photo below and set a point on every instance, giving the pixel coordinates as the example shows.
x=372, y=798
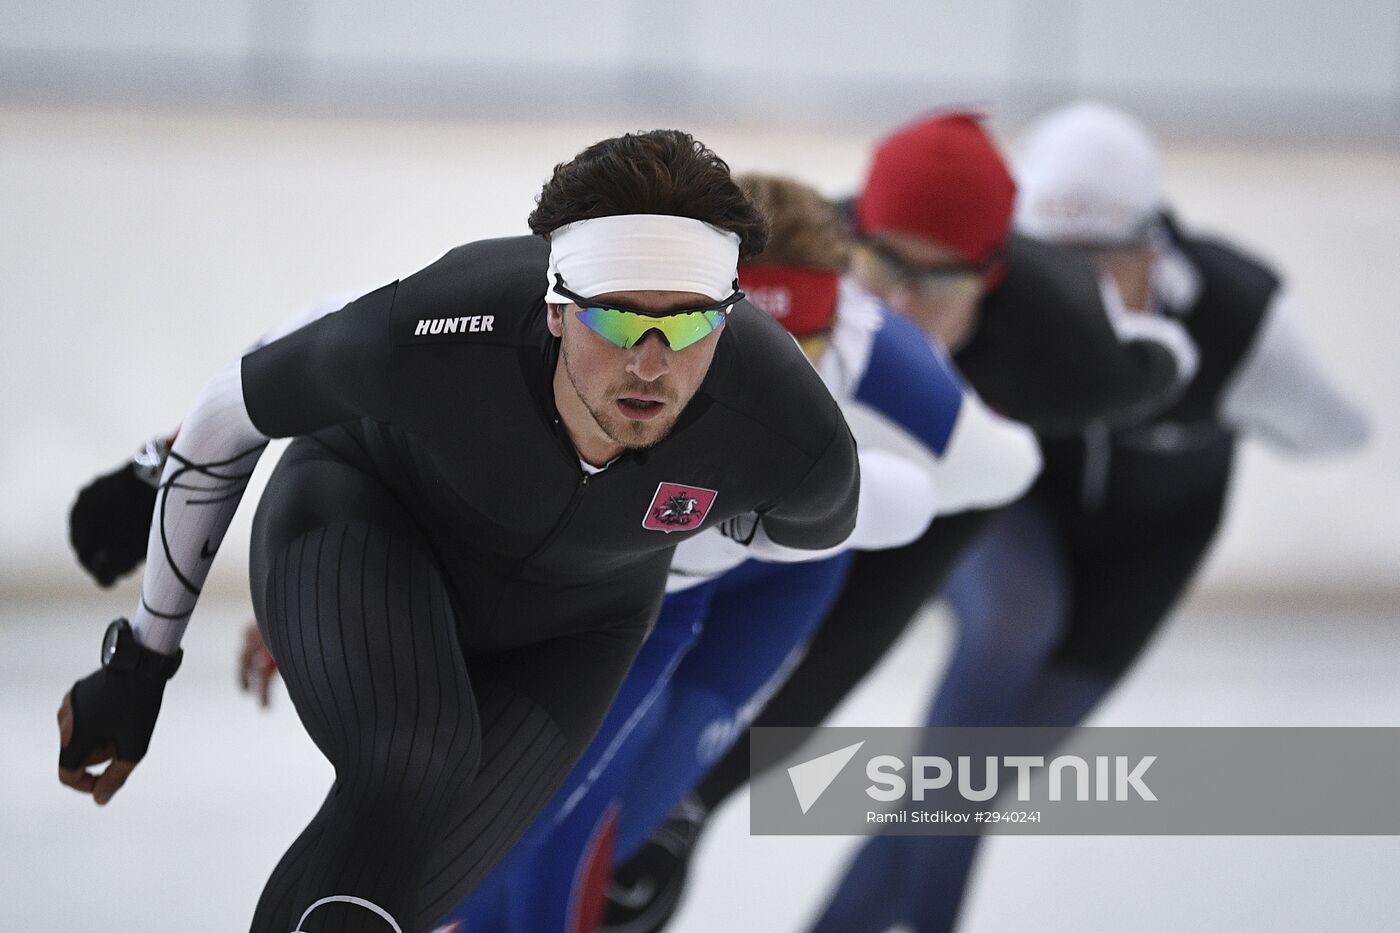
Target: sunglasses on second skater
x=885, y=268
x=626, y=326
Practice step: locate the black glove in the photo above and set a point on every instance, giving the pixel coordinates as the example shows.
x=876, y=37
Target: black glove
x=111, y=522
x=119, y=702
x=113, y=706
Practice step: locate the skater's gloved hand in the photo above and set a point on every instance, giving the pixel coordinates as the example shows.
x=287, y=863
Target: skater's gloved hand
x=111, y=521
x=110, y=714
x=256, y=666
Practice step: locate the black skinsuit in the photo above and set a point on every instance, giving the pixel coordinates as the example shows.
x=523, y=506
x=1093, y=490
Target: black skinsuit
x=451, y=599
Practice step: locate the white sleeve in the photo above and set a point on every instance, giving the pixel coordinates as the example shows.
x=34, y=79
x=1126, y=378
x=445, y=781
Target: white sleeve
x=1140, y=325
x=899, y=494
x=898, y=500
x=1280, y=393
x=989, y=460
x=208, y=468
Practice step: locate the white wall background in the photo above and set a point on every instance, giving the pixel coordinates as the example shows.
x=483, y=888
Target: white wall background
x=140, y=252
x=1251, y=68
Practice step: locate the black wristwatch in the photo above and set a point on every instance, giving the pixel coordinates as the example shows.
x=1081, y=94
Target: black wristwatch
x=122, y=652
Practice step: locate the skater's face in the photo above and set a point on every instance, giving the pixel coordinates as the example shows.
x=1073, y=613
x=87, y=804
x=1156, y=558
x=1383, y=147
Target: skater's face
x=611, y=397
x=922, y=280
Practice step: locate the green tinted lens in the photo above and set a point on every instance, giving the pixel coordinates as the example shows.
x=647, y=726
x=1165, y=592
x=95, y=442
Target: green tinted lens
x=626, y=328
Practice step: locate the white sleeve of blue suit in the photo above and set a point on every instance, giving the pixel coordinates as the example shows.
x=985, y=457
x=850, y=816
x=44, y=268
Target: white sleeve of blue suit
x=990, y=460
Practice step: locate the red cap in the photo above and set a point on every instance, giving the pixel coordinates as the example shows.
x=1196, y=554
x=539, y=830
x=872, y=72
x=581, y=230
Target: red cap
x=941, y=178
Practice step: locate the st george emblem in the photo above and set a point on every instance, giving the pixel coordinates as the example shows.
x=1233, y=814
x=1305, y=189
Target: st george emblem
x=678, y=508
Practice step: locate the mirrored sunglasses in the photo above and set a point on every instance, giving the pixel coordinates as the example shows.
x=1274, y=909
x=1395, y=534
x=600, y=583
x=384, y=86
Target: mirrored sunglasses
x=626, y=326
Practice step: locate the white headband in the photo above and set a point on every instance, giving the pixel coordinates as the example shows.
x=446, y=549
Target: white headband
x=642, y=252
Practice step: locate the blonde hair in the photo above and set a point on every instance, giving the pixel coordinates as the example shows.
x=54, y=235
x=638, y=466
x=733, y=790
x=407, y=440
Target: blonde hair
x=804, y=228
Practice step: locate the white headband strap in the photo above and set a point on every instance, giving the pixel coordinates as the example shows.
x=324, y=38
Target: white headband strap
x=642, y=252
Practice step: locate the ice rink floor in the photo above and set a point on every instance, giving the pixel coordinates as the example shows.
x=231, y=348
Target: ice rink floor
x=190, y=840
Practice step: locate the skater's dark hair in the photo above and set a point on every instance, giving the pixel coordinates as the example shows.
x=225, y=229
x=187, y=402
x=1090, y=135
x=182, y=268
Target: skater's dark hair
x=658, y=172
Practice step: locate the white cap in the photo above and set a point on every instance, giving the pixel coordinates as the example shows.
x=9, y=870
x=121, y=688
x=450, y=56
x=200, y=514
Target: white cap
x=1087, y=173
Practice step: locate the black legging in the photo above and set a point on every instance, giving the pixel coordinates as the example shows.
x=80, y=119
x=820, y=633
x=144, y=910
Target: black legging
x=441, y=758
